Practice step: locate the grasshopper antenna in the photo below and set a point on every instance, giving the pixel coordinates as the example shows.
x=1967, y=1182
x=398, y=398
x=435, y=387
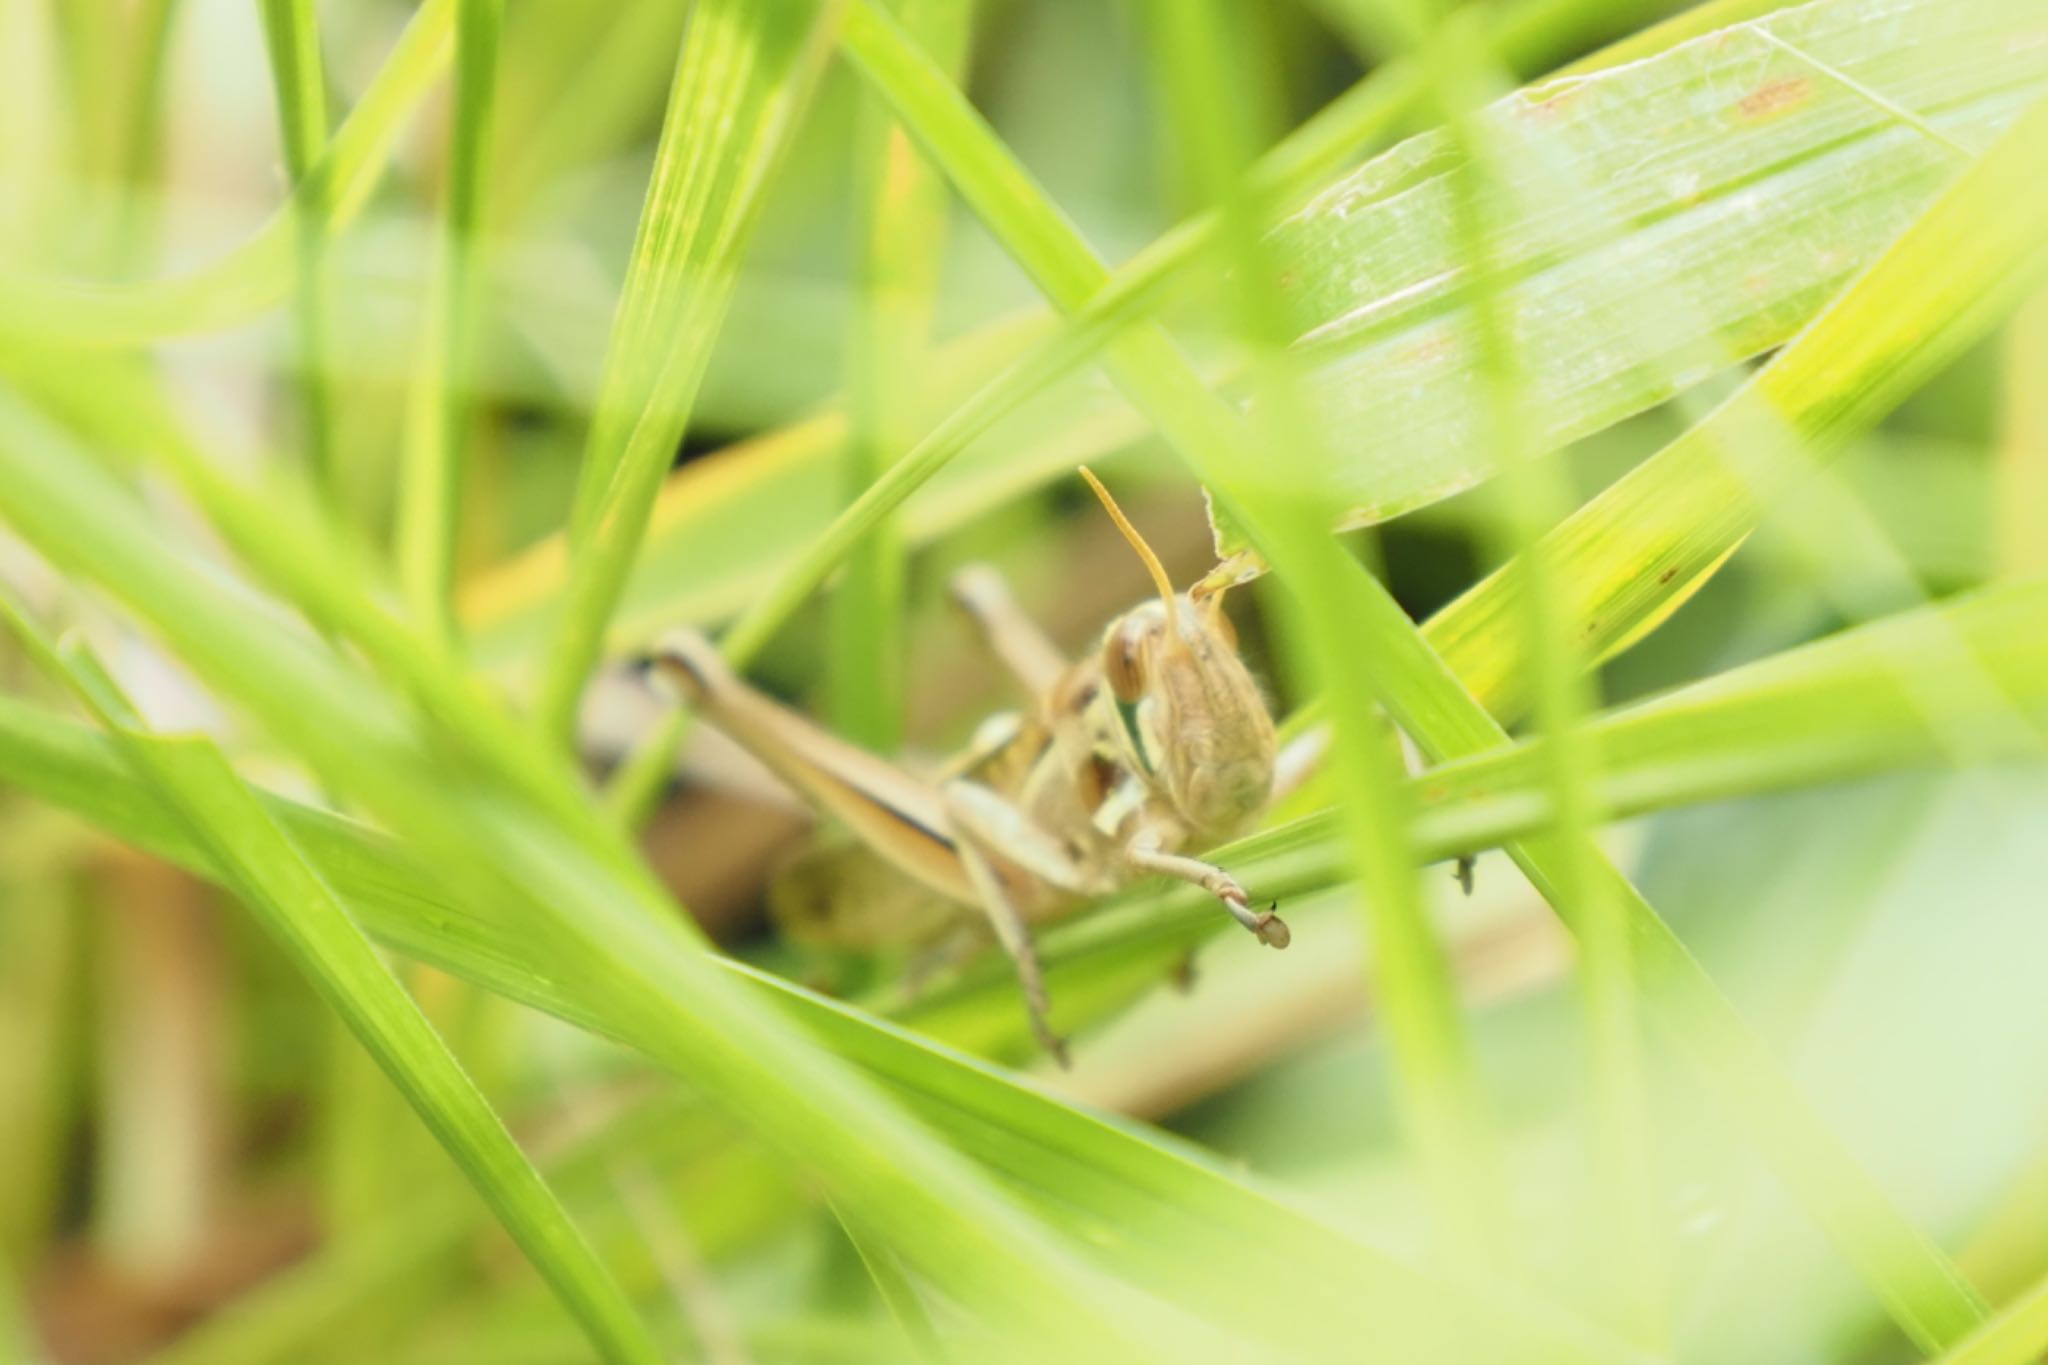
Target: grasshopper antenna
x=1137, y=542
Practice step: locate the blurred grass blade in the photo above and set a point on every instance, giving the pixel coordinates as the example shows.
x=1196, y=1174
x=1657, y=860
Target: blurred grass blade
x=1740, y=186
x=1528, y=494
x=2023, y=444
x=438, y=419
x=1830, y=711
x=1211, y=102
x=299, y=78
x=742, y=82
x=17, y=1337
x=902, y=210
x=1822, y=712
x=292, y=34
x=1628, y=558
x=254, y=277
x=255, y=857
x=897, y=1292
x=2018, y=1335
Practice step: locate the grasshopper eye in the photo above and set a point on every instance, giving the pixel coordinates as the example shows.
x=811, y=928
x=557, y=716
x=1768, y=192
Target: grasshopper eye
x=1124, y=663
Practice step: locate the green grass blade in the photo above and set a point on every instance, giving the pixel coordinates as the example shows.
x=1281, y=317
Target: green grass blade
x=1742, y=188
x=1826, y=712
x=539, y=966
x=1632, y=555
x=1529, y=494
x=141, y=154
x=742, y=81
x=2023, y=443
x=299, y=81
x=254, y=277
x=902, y=216
x=299, y=77
x=258, y=860
x=1219, y=1227
x=1449, y=1129
x=683, y=576
x=899, y=1294
x=430, y=492
x=2016, y=1336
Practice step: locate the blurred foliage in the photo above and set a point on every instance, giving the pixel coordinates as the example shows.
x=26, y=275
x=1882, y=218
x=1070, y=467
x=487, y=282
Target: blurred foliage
x=1638, y=406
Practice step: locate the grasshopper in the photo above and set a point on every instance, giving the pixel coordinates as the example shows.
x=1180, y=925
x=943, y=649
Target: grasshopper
x=1157, y=742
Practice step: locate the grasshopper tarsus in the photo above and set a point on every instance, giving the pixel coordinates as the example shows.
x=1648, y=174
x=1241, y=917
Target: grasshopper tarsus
x=1266, y=926
x=1463, y=872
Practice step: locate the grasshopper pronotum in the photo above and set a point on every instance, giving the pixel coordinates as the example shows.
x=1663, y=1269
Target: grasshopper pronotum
x=1157, y=741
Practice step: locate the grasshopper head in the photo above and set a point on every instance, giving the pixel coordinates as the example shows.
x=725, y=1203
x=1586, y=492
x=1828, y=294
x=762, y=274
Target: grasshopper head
x=1192, y=718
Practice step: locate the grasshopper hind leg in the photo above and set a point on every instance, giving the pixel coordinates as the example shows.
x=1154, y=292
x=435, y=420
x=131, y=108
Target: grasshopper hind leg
x=1012, y=636
x=965, y=817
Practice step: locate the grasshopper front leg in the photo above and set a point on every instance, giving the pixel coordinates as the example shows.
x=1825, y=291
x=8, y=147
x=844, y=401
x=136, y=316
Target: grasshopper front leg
x=1144, y=853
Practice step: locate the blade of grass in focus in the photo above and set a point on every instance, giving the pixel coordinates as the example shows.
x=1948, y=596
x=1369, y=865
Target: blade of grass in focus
x=681, y=577
x=592, y=981
x=1735, y=180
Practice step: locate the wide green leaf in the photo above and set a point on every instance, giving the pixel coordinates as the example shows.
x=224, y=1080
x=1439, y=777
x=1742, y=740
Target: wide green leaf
x=1655, y=223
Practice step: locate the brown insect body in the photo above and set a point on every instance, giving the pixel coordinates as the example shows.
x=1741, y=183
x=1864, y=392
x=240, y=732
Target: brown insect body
x=1156, y=743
